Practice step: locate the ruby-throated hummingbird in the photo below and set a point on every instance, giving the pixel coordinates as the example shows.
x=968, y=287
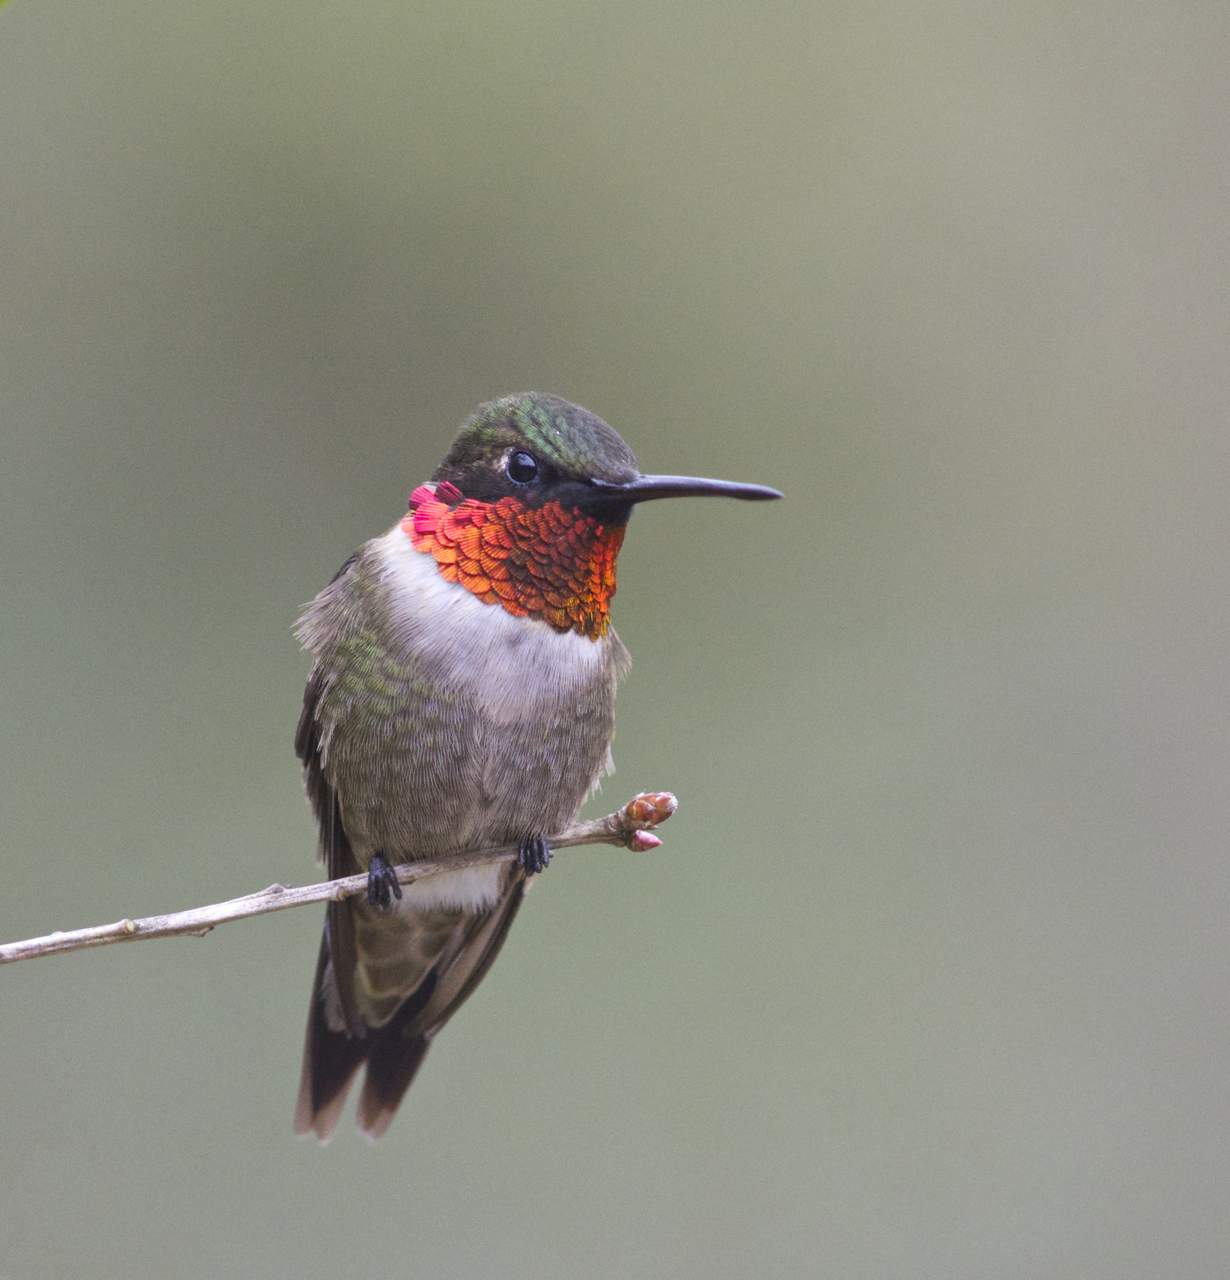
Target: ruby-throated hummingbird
x=462, y=696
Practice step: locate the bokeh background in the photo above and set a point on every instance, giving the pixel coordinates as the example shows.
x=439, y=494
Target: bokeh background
x=931, y=977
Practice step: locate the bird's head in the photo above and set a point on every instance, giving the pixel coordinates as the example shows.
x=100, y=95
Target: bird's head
x=529, y=506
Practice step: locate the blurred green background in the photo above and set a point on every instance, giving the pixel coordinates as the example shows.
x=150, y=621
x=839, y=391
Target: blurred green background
x=930, y=978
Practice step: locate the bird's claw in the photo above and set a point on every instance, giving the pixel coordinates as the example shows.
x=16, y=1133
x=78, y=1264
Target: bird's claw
x=382, y=884
x=534, y=854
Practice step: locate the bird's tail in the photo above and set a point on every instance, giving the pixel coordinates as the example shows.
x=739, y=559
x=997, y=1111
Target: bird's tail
x=331, y=1057
x=339, y=1042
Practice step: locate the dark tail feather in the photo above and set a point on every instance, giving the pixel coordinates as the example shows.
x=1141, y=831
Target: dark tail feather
x=396, y=1052
x=394, y=1063
x=330, y=1060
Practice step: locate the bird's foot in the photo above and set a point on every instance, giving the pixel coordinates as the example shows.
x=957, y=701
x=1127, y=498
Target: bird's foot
x=534, y=854
x=382, y=885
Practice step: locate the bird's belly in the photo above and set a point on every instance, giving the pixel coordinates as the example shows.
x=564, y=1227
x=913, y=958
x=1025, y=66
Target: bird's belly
x=497, y=784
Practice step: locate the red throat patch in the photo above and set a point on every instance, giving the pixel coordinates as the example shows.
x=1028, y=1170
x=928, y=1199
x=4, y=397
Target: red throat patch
x=537, y=562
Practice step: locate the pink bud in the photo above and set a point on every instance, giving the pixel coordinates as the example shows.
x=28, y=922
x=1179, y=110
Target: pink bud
x=643, y=841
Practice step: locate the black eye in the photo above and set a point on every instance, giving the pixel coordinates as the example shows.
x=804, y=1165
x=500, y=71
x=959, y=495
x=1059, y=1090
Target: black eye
x=521, y=467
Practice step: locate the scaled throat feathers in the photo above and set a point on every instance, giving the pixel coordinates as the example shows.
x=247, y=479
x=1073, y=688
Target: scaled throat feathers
x=541, y=562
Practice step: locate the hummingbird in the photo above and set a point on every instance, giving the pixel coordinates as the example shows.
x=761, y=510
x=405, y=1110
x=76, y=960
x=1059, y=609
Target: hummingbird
x=462, y=695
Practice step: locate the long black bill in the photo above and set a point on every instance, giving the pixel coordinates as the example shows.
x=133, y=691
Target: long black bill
x=643, y=488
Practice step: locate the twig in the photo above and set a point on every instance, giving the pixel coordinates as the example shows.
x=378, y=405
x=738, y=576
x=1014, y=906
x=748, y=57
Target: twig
x=629, y=827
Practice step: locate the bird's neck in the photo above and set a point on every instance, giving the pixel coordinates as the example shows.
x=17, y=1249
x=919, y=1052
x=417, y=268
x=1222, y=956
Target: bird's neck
x=545, y=562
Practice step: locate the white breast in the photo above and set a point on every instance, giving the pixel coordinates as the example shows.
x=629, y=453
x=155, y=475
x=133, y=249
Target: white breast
x=514, y=666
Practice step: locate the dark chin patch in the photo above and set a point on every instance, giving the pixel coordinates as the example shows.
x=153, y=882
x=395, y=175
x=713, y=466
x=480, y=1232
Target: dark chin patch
x=576, y=495
x=612, y=514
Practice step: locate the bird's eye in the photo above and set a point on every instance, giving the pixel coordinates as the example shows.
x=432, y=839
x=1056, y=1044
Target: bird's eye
x=521, y=467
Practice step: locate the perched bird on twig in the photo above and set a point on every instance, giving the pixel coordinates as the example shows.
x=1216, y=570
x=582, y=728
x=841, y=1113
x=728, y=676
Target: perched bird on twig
x=462, y=694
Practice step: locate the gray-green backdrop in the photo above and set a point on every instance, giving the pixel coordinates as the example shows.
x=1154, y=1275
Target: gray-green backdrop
x=931, y=978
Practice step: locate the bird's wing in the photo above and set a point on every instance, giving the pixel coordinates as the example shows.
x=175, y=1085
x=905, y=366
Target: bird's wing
x=335, y=850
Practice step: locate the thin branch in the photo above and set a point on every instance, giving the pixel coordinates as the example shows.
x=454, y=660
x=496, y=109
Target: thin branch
x=629, y=828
